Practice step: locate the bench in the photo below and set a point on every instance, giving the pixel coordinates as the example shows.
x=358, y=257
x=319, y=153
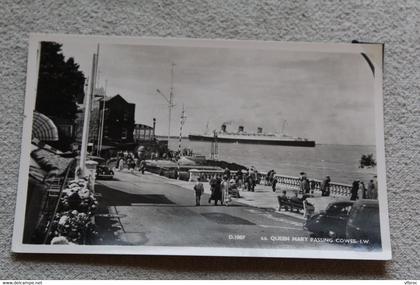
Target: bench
x=293, y=203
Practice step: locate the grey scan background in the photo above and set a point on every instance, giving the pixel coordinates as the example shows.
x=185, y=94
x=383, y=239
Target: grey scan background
x=394, y=23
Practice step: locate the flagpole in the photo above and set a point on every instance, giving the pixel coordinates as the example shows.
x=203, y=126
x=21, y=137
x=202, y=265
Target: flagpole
x=87, y=106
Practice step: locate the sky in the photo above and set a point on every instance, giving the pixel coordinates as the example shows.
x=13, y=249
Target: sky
x=323, y=96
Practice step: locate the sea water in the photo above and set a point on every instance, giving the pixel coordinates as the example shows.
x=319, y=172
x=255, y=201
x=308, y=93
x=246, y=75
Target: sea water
x=340, y=162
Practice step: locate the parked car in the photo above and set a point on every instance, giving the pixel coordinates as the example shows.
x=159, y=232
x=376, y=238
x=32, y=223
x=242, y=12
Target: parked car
x=332, y=222
x=104, y=172
x=363, y=222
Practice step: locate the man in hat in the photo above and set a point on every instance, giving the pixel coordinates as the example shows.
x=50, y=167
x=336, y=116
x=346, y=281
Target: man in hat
x=304, y=183
x=325, y=186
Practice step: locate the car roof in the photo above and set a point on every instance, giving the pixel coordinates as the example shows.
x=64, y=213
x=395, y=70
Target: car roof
x=341, y=202
x=366, y=202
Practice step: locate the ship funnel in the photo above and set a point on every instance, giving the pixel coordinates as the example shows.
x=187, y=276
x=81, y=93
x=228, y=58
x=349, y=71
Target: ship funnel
x=259, y=130
x=240, y=128
x=224, y=128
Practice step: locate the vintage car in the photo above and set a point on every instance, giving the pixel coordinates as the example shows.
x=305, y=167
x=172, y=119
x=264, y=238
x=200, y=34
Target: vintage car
x=104, y=172
x=363, y=222
x=332, y=222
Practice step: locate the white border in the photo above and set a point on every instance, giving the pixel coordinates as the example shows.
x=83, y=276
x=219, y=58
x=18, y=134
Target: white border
x=375, y=53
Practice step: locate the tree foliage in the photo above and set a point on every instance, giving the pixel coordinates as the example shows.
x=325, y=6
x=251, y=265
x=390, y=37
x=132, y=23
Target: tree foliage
x=367, y=160
x=60, y=83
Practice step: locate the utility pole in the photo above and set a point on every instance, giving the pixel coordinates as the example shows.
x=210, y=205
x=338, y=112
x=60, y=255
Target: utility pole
x=170, y=100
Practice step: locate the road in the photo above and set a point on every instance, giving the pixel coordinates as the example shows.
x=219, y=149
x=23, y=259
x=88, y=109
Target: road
x=154, y=212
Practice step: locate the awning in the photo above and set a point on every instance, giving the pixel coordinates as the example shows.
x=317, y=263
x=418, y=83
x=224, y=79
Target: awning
x=106, y=147
x=43, y=128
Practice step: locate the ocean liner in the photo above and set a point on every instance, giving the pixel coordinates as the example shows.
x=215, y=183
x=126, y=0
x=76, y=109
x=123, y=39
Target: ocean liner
x=258, y=137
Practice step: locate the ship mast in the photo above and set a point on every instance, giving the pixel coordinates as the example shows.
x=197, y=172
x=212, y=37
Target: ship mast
x=283, y=127
x=170, y=100
x=181, y=124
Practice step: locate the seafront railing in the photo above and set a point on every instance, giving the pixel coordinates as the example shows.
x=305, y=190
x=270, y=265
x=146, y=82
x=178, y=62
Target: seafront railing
x=205, y=174
x=336, y=189
x=291, y=182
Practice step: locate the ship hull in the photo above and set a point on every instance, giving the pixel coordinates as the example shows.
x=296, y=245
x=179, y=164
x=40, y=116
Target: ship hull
x=253, y=141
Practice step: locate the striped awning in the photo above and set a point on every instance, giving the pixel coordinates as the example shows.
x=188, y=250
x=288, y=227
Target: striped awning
x=43, y=128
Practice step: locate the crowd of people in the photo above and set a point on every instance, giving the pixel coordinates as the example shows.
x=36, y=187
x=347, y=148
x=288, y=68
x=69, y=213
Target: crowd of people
x=224, y=186
x=130, y=161
x=358, y=190
x=227, y=185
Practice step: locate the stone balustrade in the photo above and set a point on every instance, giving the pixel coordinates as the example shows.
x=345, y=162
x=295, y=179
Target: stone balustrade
x=205, y=174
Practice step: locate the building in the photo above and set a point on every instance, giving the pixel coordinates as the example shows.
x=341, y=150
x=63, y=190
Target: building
x=118, y=121
x=118, y=124
x=144, y=133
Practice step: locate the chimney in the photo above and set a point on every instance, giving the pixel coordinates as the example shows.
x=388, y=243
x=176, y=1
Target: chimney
x=259, y=130
x=240, y=129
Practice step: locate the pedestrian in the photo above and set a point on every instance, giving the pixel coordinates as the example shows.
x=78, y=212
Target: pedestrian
x=268, y=178
x=218, y=191
x=225, y=191
x=273, y=184
x=375, y=188
x=212, y=183
x=121, y=164
x=325, y=187
x=354, y=189
x=142, y=166
x=199, y=190
x=233, y=189
x=312, y=184
x=239, y=179
x=227, y=173
x=131, y=164
x=361, y=193
x=304, y=184
x=251, y=183
x=245, y=179
x=370, y=189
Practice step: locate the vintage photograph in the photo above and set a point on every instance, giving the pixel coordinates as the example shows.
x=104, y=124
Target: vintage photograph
x=202, y=147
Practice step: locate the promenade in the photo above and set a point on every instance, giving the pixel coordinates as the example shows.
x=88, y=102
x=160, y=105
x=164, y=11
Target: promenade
x=152, y=210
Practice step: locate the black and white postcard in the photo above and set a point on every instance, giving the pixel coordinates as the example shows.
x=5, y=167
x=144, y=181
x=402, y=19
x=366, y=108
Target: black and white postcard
x=202, y=147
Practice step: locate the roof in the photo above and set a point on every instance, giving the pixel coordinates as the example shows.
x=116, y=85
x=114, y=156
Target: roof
x=116, y=97
x=142, y=126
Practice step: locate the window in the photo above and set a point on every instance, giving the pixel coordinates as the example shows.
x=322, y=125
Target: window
x=125, y=116
x=124, y=134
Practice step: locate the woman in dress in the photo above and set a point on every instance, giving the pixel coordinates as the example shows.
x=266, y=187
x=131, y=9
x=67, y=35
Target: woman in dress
x=225, y=191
